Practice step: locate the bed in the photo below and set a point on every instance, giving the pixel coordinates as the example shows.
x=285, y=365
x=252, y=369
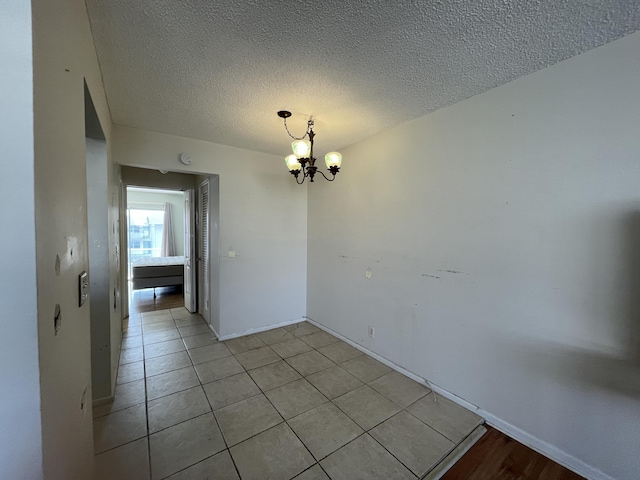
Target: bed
x=151, y=272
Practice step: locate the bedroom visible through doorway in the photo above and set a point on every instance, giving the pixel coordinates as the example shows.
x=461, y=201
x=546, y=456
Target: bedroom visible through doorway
x=156, y=248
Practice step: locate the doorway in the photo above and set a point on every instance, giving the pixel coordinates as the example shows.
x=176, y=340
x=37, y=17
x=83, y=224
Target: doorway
x=103, y=232
x=192, y=290
x=155, y=248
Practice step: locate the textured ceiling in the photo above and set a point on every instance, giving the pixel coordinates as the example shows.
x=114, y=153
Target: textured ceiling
x=219, y=70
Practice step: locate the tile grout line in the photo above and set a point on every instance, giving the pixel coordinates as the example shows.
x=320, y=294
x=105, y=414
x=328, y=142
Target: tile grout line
x=215, y=418
x=146, y=406
x=292, y=430
x=227, y=448
x=179, y=391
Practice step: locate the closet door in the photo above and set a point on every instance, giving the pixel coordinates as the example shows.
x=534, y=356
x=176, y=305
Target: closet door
x=203, y=251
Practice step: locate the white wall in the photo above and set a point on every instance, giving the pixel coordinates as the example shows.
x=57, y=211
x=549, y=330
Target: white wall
x=99, y=273
x=177, y=210
x=20, y=429
x=63, y=57
x=114, y=185
x=262, y=216
x=502, y=234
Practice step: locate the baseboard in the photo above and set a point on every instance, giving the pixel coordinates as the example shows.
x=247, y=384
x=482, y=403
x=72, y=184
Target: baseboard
x=259, y=329
x=114, y=379
x=214, y=331
x=98, y=402
x=554, y=453
x=531, y=441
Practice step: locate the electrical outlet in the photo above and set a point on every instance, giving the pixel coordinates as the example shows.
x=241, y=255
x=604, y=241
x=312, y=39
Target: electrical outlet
x=372, y=332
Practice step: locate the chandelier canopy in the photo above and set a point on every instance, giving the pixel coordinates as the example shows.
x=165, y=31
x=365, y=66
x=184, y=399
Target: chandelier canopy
x=302, y=159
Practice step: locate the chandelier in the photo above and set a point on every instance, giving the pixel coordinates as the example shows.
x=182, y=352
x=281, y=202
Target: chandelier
x=302, y=159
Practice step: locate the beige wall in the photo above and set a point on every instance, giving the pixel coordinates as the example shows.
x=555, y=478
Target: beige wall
x=521, y=201
x=63, y=57
x=262, y=217
x=502, y=234
x=20, y=426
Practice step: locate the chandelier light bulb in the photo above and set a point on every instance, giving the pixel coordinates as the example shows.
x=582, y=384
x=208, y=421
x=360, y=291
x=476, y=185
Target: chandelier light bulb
x=301, y=148
x=333, y=159
x=292, y=163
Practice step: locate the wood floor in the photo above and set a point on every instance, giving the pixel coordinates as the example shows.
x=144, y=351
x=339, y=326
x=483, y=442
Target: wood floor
x=494, y=457
x=498, y=457
x=166, y=297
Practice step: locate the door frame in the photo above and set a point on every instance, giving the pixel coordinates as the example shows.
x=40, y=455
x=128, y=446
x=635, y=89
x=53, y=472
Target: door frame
x=190, y=286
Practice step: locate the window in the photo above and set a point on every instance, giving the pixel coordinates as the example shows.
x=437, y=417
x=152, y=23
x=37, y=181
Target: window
x=145, y=232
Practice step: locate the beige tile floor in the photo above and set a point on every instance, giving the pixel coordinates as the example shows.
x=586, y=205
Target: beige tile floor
x=292, y=402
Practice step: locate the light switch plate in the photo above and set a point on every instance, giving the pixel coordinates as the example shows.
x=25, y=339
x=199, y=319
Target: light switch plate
x=83, y=288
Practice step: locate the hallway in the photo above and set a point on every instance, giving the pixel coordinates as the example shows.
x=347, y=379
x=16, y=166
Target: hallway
x=289, y=402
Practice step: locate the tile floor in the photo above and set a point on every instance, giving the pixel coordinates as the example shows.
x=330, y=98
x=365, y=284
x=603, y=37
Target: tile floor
x=292, y=402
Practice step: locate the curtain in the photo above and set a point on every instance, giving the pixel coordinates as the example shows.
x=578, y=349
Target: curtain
x=168, y=248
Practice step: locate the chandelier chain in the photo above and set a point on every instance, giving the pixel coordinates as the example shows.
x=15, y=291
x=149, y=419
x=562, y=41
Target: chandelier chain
x=309, y=123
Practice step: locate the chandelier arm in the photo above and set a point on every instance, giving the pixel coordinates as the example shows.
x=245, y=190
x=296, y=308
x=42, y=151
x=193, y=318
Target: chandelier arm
x=292, y=136
x=326, y=178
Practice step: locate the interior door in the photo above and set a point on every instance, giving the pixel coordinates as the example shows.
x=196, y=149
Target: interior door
x=203, y=251
x=189, y=252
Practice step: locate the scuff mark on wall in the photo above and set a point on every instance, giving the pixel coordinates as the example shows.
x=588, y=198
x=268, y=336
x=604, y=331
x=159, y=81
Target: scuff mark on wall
x=431, y=276
x=346, y=257
x=454, y=271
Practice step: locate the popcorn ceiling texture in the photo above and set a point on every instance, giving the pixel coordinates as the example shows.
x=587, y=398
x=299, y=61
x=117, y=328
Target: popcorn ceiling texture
x=219, y=70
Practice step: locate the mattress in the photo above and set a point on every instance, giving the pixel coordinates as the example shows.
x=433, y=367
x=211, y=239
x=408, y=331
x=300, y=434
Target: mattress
x=153, y=267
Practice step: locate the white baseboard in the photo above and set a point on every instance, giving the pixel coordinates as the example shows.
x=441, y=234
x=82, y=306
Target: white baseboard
x=568, y=461
x=214, y=331
x=544, y=448
x=258, y=330
x=98, y=402
x=106, y=400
